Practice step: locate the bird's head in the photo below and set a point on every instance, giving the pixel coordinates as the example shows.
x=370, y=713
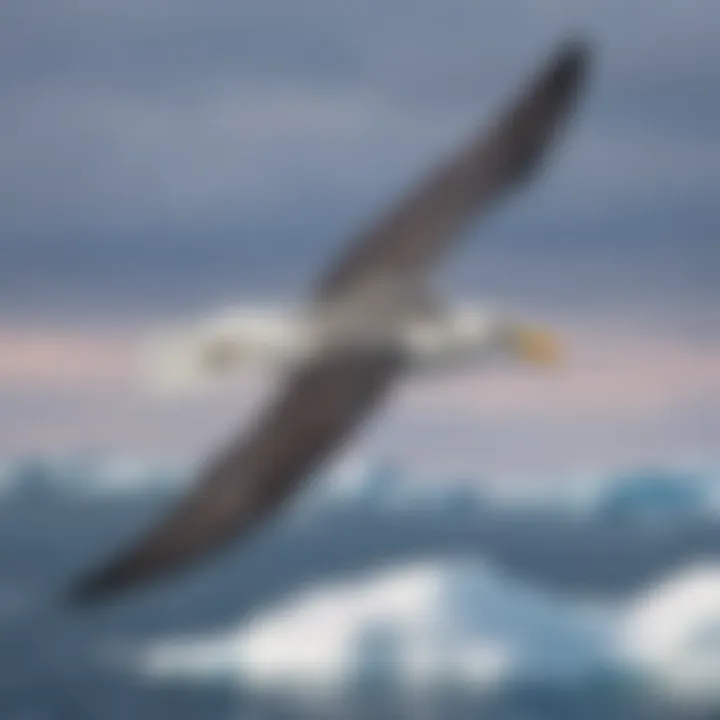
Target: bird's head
x=469, y=335
x=531, y=343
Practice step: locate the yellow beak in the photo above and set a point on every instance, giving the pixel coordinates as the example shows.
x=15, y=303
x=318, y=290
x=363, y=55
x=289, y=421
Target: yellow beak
x=536, y=345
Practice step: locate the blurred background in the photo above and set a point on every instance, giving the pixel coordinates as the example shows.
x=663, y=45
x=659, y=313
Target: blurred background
x=502, y=543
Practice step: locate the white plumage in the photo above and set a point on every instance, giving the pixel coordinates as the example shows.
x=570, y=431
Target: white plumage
x=222, y=346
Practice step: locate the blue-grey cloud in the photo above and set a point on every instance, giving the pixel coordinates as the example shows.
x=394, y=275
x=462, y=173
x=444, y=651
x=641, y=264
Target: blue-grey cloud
x=163, y=154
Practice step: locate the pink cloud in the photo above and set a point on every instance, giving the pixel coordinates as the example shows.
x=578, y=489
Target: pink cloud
x=619, y=395
x=35, y=359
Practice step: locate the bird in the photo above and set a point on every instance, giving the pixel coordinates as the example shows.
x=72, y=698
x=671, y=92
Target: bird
x=211, y=351
x=370, y=318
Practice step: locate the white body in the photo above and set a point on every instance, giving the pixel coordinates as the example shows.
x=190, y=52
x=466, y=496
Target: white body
x=224, y=345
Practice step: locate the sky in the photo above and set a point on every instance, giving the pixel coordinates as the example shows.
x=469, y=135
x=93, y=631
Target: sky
x=161, y=159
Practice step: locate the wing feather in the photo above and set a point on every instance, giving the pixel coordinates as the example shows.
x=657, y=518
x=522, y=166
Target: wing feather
x=317, y=410
x=411, y=236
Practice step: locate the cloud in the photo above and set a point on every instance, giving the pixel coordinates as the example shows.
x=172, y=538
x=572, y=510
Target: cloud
x=158, y=157
x=155, y=118
x=34, y=360
x=603, y=375
x=620, y=399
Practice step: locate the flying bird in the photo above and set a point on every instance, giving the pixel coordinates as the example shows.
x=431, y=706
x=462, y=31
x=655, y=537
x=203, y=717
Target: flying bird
x=370, y=319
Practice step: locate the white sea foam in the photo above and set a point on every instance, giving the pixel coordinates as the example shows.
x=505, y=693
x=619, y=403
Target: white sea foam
x=671, y=632
x=419, y=625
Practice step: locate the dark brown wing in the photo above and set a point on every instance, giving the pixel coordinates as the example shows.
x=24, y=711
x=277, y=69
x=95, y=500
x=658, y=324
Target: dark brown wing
x=420, y=228
x=320, y=406
x=324, y=401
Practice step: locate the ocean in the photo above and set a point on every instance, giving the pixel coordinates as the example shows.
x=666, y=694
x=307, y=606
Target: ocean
x=347, y=556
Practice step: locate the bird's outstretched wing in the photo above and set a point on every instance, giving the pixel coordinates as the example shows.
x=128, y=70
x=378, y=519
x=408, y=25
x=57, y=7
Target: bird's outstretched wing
x=416, y=231
x=314, y=413
x=324, y=400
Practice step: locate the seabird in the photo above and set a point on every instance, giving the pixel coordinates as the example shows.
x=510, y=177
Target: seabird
x=372, y=315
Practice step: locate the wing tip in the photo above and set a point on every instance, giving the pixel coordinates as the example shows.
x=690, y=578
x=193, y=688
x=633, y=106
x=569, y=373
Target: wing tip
x=570, y=64
x=577, y=48
x=544, y=108
x=96, y=587
x=88, y=592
